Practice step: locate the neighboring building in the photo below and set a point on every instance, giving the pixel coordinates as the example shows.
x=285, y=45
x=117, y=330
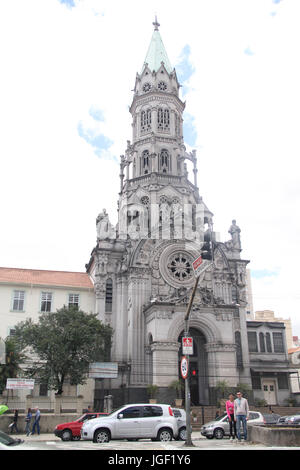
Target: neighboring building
x=269, y=316
x=27, y=293
x=269, y=364
x=294, y=358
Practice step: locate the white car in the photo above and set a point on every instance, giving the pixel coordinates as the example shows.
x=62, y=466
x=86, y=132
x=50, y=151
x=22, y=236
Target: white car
x=136, y=421
x=180, y=415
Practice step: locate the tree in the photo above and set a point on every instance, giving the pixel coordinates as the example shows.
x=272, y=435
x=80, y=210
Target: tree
x=13, y=360
x=64, y=343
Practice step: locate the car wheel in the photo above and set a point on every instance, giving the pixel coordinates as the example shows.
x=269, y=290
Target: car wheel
x=219, y=433
x=101, y=436
x=76, y=438
x=182, y=434
x=66, y=435
x=165, y=435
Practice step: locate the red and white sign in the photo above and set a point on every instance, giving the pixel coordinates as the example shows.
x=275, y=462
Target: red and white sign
x=20, y=384
x=197, y=266
x=184, y=367
x=187, y=345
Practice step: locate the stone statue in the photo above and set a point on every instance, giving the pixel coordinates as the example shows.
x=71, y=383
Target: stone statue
x=103, y=225
x=235, y=231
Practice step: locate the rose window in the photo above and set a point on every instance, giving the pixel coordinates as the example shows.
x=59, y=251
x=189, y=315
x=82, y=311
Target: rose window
x=180, y=267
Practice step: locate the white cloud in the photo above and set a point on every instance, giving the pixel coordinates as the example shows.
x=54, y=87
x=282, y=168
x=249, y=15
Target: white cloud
x=59, y=62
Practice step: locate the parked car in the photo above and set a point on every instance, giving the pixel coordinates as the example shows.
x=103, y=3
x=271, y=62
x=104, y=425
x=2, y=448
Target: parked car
x=295, y=419
x=271, y=418
x=135, y=421
x=219, y=427
x=180, y=415
x=282, y=420
x=71, y=431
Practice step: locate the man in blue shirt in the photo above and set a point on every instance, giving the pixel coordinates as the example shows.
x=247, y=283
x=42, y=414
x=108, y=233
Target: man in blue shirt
x=36, y=423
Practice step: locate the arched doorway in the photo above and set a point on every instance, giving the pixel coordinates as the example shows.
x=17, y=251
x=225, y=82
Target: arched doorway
x=198, y=368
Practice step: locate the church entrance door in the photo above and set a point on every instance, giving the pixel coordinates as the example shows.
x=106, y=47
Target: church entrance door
x=198, y=368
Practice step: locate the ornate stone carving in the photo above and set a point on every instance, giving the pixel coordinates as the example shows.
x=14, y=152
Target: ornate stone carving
x=102, y=259
x=100, y=289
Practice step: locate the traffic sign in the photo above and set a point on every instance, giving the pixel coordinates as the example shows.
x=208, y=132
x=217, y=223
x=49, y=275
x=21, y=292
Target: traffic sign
x=187, y=345
x=184, y=367
x=197, y=265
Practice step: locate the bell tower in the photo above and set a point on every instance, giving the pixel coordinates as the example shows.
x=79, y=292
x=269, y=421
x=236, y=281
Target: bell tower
x=157, y=115
x=154, y=169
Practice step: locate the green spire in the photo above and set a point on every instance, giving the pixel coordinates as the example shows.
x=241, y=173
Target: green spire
x=156, y=53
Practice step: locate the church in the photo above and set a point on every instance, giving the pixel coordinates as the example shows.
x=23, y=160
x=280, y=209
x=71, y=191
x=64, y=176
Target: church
x=142, y=269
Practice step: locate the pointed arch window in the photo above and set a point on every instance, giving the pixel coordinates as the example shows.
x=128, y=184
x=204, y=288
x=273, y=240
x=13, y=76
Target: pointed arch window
x=108, y=296
x=145, y=162
x=177, y=125
x=146, y=120
x=164, y=161
x=239, y=354
x=163, y=119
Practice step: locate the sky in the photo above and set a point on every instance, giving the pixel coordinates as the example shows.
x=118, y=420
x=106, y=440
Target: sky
x=68, y=69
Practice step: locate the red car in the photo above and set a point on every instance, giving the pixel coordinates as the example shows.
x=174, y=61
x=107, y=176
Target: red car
x=69, y=431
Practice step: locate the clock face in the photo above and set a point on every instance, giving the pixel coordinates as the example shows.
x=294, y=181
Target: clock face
x=146, y=87
x=162, y=86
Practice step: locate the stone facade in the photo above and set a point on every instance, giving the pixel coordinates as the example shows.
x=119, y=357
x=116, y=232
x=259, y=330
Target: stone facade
x=146, y=260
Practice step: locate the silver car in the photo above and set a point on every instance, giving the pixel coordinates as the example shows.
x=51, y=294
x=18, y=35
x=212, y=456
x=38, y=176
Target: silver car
x=137, y=421
x=295, y=419
x=180, y=415
x=220, y=426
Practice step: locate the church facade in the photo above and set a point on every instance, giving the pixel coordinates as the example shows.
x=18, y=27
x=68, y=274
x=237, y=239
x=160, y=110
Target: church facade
x=142, y=268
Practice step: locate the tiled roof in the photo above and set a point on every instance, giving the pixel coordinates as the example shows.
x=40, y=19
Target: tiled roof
x=292, y=350
x=43, y=277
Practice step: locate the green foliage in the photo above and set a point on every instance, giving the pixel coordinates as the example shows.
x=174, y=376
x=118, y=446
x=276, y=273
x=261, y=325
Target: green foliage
x=178, y=386
x=222, y=388
x=65, y=342
x=13, y=359
x=244, y=389
x=260, y=402
x=152, y=391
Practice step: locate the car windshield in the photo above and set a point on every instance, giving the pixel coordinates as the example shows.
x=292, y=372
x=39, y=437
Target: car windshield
x=218, y=418
x=6, y=439
x=82, y=418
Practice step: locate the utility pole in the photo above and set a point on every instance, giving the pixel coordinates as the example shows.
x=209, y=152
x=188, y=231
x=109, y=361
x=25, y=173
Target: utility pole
x=199, y=268
x=188, y=441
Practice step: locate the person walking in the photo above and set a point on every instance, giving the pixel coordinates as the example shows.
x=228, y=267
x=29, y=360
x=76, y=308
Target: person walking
x=15, y=422
x=28, y=421
x=230, y=414
x=36, y=423
x=241, y=415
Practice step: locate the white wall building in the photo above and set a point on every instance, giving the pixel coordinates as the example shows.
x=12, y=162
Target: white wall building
x=27, y=293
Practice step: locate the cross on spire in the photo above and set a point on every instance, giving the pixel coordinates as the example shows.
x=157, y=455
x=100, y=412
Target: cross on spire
x=156, y=24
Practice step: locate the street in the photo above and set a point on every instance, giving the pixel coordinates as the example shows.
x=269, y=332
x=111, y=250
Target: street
x=51, y=442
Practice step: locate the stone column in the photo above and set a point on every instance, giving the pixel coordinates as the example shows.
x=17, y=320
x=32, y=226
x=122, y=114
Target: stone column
x=221, y=363
x=165, y=362
x=154, y=119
